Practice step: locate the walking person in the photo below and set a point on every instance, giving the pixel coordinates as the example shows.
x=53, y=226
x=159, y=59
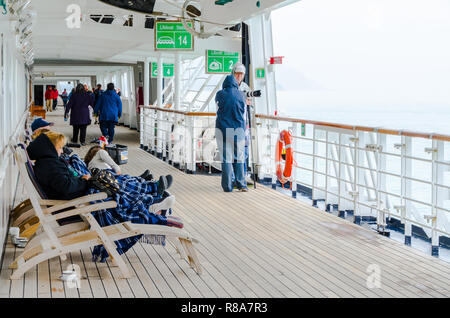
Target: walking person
x=55, y=95
x=78, y=106
x=65, y=99
x=49, y=99
x=71, y=92
x=109, y=106
x=230, y=134
x=97, y=92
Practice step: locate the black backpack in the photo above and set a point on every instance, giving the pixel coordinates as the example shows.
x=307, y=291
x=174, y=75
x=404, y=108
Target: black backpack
x=104, y=181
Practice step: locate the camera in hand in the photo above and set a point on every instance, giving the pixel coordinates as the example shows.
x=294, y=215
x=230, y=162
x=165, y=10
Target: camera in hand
x=256, y=93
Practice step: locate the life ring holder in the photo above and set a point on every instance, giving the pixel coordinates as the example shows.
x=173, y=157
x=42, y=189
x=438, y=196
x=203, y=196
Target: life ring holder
x=284, y=175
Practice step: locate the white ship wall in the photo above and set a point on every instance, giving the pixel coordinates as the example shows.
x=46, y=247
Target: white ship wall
x=13, y=104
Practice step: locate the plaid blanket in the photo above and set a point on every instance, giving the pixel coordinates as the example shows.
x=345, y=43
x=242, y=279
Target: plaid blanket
x=133, y=199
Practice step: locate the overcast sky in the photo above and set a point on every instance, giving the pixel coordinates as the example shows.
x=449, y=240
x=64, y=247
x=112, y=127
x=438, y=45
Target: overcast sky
x=383, y=52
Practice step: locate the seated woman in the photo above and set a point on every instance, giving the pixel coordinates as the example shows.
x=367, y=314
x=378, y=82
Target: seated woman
x=60, y=182
x=56, y=180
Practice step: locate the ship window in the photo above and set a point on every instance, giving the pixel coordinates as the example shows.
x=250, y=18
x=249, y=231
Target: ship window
x=129, y=21
x=149, y=22
x=105, y=19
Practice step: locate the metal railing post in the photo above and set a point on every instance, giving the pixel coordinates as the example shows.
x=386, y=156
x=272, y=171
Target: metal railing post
x=355, y=193
x=434, y=177
x=407, y=186
x=313, y=185
x=294, y=167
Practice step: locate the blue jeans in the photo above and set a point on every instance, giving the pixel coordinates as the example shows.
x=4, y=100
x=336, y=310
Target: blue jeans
x=233, y=161
x=246, y=162
x=107, y=128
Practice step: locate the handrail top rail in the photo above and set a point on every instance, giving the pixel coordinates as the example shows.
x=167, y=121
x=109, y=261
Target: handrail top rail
x=321, y=123
x=359, y=128
x=177, y=111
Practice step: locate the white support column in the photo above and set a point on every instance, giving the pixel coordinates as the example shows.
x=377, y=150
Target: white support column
x=261, y=49
x=132, y=98
x=147, y=81
x=177, y=99
x=125, y=104
x=177, y=104
x=159, y=85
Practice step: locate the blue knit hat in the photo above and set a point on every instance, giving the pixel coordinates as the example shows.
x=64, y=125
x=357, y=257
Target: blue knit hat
x=39, y=123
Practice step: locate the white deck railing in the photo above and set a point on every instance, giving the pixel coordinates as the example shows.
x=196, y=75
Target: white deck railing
x=182, y=138
x=364, y=171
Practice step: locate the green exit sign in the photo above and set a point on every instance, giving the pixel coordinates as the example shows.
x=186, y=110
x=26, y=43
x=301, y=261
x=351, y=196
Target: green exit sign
x=220, y=62
x=260, y=73
x=167, y=70
x=172, y=36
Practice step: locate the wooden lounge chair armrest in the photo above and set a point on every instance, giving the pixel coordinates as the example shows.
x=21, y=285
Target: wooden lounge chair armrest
x=75, y=202
x=83, y=210
x=51, y=202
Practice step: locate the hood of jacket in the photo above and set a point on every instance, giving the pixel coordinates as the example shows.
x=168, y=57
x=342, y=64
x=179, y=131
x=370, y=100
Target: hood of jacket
x=230, y=81
x=109, y=92
x=42, y=148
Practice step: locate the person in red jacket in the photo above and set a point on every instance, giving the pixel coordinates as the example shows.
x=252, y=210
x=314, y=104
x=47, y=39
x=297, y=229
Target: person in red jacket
x=55, y=95
x=49, y=98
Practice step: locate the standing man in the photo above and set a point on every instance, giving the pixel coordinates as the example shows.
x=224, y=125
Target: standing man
x=230, y=134
x=97, y=92
x=109, y=106
x=239, y=74
x=55, y=95
x=49, y=98
x=65, y=98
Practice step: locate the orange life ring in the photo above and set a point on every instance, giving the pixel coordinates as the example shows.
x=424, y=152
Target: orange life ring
x=284, y=143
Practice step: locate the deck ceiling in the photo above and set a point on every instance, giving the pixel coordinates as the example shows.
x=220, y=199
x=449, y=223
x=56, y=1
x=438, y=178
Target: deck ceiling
x=53, y=39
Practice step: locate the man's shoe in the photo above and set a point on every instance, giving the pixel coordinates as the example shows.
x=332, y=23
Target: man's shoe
x=243, y=189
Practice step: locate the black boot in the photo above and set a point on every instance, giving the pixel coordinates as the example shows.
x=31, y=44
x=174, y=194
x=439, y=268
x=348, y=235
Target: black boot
x=149, y=177
x=164, y=183
x=145, y=174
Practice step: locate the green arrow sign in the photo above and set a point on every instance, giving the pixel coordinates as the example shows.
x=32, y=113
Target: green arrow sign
x=220, y=62
x=167, y=70
x=171, y=35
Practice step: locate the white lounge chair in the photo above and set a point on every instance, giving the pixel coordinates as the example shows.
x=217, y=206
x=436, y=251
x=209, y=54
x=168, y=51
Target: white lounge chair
x=55, y=240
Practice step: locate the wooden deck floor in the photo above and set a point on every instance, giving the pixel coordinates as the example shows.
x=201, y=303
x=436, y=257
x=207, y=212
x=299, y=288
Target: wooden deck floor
x=256, y=244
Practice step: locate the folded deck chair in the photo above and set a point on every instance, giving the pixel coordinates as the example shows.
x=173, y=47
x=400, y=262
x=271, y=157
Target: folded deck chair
x=55, y=240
